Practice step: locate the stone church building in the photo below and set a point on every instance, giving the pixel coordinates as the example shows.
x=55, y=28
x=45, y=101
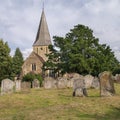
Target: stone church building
x=34, y=63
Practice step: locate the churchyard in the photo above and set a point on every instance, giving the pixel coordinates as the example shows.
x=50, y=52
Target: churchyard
x=59, y=104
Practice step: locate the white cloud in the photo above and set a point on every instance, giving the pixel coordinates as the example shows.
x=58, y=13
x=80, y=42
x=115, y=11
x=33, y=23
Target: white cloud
x=20, y=19
x=26, y=52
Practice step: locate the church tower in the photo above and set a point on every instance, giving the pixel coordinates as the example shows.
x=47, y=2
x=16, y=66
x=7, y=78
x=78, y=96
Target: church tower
x=43, y=39
x=35, y=61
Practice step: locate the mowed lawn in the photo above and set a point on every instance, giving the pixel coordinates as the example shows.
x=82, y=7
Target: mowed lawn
x=58, y=104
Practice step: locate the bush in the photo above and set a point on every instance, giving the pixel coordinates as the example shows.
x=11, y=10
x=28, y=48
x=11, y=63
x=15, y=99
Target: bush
x=30, y=77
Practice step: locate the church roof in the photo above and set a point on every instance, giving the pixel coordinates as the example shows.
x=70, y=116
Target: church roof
x=34, y=55
x=43, y=36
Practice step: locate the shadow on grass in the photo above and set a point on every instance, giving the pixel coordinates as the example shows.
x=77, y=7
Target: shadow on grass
x=113, y=114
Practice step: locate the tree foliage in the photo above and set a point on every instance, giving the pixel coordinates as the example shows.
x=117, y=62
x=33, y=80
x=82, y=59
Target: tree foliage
x=5, y=60
x=79, y=51
x=17, y=62
x=30, y=77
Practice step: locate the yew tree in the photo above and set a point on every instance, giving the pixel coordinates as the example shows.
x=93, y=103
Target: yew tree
x=80, y=51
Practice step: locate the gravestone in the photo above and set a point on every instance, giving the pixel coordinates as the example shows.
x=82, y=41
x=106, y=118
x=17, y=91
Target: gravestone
x=80, y=92
x=117, y=78
x=79, y=89
x=18, y=85
x=106, y=84
x=7, y=86
x=61, y=82
x=70, y=79
x=25, y=86
x=88, y=81
x=36, y=83
x=70, y=83
x=95, y=83
x=49, y=83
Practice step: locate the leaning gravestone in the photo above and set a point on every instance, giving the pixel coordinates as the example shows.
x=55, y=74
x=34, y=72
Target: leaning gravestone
x=7, y=86
x=25, y=86
x=106, y=84
x=36, y=83
x=49, y=83
x=79, y=89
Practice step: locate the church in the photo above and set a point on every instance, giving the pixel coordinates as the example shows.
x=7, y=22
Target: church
x=34, y=63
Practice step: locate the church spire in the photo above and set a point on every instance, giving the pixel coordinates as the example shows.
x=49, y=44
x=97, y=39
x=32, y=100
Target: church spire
x=43, y=35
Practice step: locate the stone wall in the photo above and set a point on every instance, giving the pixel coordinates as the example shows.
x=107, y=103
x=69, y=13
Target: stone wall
x=32, y=59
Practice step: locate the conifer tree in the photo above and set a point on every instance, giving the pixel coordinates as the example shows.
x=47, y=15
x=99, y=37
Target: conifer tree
x=5, y=60
x=17, y=62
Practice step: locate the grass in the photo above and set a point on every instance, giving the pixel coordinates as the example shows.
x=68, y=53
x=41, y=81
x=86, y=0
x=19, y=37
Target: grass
x=41, y=104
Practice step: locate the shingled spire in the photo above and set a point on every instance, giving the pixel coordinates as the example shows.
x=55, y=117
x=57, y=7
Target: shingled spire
x=43, y=35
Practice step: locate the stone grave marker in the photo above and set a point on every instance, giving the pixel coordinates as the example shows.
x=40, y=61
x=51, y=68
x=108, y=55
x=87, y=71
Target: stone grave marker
x=7, y=86
x=49, y=83
x=88, y=81
x=61, y=82
x=18, y=85
x=95, y=83
x=25, y=86
x=79, y=89
x=36, y=83
x=106, y=84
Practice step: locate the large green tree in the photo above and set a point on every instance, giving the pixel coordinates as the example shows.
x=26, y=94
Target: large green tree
x=5, y=60
x=17, y=62
x=79, y=51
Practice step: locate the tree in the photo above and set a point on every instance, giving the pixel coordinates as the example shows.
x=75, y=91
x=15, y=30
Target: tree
x=80, y=52
x=30, y=77
x=17, y=62
x=5, y=60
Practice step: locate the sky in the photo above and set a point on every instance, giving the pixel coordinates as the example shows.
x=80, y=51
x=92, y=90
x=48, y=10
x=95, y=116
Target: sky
x=19, y=20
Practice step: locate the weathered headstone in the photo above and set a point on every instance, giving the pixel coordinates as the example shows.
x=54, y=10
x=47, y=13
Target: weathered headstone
x=61, y=82
x=95, y=83
x=7, y=86
x=49, y=83
x=36, y=83
x=80, y=92
x=17, y=85
x=106, y=84
x=88, y=81
x=117, y=78
x=79, y=89
x=70, y=77
x=25, y=86
x=70, y=83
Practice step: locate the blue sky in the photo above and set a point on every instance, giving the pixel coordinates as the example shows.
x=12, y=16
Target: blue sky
x=19, y=20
